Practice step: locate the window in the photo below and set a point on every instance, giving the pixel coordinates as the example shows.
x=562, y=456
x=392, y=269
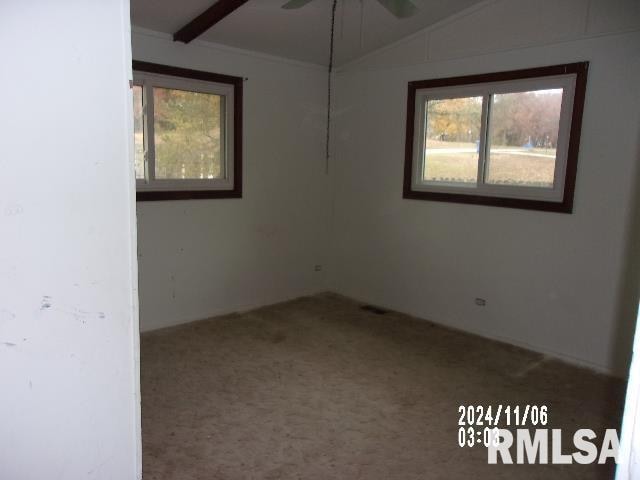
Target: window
x=506, y=139
x=187, y=133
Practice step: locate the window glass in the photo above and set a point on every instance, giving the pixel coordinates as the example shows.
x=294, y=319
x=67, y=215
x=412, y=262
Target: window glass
x=138, y=132
x=187, y=134
x=452, y=138
x=523, y=138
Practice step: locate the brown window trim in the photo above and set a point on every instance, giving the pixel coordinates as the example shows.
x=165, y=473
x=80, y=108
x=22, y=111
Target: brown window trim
x=566, y=206
x=237, y=82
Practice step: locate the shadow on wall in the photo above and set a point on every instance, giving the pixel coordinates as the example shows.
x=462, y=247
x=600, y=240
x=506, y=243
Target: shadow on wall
x=629, y=293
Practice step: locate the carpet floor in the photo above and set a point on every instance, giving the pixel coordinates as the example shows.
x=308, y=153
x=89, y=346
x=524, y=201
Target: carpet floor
x=318, y=389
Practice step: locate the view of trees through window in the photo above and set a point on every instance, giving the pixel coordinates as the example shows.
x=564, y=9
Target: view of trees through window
x=522, y=140
x=138, y=131
x=452, y=135
x=187, y=134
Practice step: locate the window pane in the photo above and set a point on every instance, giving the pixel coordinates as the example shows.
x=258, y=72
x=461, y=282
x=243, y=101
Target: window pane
x=452, y=139
x=138, y=132
x=187, y=134
x=523, y=138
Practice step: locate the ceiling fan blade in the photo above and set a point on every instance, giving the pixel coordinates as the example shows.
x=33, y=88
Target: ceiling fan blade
x=399, y=8
x=291, y=4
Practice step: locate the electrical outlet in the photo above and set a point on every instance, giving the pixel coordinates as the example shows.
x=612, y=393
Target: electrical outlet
x=317, y=268
x=481, y=302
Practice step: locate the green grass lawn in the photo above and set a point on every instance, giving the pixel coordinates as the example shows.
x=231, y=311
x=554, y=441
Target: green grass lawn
x=507, y=165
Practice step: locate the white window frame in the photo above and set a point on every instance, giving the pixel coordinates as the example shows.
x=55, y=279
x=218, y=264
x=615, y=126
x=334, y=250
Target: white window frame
x=538, y=196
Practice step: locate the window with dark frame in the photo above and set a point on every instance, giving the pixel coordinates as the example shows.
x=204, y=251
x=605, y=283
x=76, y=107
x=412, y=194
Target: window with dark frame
x=187, y=133
x=505, y=139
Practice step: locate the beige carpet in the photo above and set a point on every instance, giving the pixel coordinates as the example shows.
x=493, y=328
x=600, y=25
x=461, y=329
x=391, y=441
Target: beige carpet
x=319, y=389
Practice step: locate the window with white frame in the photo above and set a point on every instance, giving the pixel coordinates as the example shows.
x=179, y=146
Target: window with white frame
x=187, y=133
x=507, y=139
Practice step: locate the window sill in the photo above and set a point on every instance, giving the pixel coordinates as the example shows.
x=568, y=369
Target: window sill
x=152, y=196
x=565, y=206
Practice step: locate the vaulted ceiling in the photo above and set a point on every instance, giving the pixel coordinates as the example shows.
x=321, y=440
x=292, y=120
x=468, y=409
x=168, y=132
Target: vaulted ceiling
x=302, y=34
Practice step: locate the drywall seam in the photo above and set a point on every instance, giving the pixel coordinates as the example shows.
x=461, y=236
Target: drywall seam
x=424, y=31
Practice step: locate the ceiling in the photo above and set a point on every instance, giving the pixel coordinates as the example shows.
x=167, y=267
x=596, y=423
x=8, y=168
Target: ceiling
x=302, y=34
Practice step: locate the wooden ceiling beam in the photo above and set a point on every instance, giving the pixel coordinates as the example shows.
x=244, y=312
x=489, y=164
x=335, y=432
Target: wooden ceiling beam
x=207, y=19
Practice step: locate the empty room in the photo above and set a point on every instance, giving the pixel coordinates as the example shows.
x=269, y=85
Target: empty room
x=320, y=239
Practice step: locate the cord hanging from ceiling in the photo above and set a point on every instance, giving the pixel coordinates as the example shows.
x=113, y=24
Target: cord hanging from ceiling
x=361, y=25
x=330, y=70
x=342, y=5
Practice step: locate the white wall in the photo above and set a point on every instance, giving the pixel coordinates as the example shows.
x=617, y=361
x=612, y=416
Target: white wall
x=200, y=258
x=68, y=320
x=552, y=281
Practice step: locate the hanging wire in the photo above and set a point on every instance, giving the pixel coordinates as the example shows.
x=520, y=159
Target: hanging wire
x=333, y=25
x=342, y=9
x=361, y=24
